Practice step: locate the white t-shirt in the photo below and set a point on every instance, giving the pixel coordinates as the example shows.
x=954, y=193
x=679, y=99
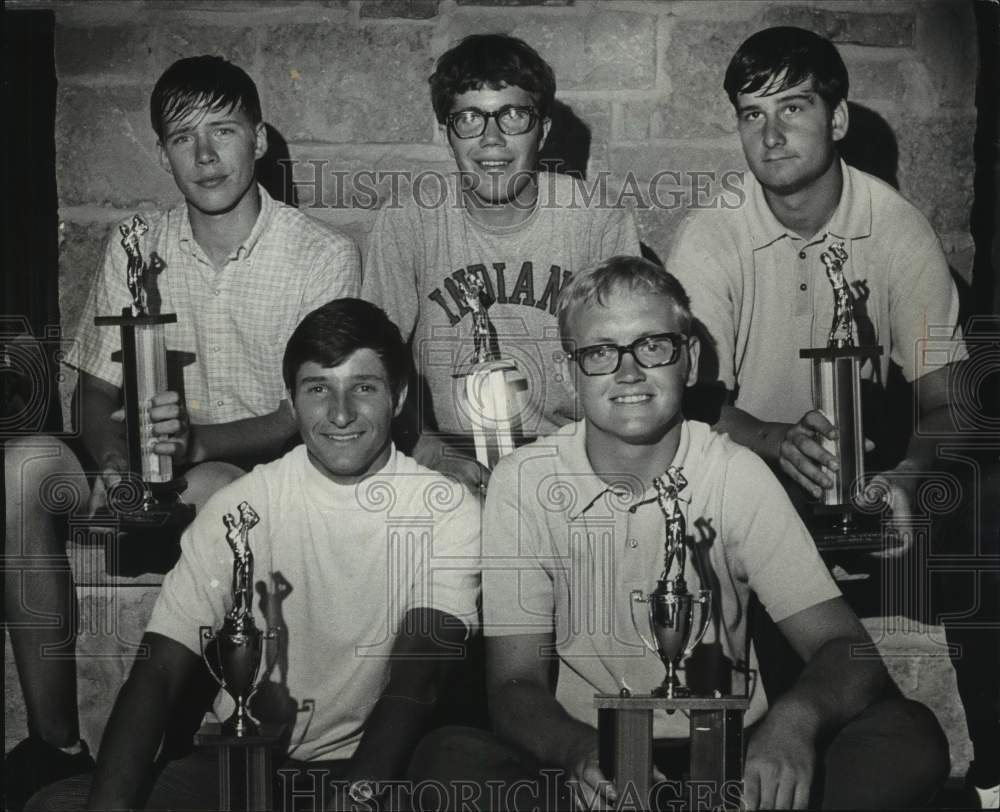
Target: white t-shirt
x=336, y=569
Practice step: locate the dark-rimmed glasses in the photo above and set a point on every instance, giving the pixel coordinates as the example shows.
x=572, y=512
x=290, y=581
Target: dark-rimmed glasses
x=512, y=119
x=657, y=350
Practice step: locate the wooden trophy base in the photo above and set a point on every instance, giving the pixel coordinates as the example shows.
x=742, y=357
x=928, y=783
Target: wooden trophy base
x=246, y=768
x=625, y=730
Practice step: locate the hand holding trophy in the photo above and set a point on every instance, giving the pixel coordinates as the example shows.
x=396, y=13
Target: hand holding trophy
x=149, y=495
x=836, y=379
x=495, y=393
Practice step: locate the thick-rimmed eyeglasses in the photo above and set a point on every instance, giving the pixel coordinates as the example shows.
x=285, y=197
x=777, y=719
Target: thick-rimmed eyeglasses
x=511, y=119
x=657, y=350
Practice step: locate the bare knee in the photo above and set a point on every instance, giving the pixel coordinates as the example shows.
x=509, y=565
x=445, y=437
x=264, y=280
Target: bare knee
x=43, y=480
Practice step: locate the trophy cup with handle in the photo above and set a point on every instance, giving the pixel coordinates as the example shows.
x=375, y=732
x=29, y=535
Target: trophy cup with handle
x=245, y=746
x=672, y=608
x=149, y=494
x=836, y=384
x=495, y=393
x=678, y=620
x=239, y=643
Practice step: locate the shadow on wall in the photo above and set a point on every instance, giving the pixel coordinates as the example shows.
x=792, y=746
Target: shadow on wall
x=870, y=144
x=567, y=149
x=274, y=169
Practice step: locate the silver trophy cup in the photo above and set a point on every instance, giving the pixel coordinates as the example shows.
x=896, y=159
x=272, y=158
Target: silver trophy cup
x=238, y=644
x=671, y=619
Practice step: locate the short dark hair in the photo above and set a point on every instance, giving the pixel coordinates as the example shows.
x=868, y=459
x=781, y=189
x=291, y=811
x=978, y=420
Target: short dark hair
x=791, y=54
x=491, y=61
x=329, y=334
x=594, y=285
x=202, y=81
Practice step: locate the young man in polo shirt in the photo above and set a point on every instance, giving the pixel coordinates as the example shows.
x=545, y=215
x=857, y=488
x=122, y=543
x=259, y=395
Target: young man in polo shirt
x=500, y=221
x=759, y=287
x=240, y=270
x=571, y=527
x=367, y=565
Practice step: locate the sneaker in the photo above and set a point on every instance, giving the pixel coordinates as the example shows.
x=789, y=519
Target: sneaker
x=980, y=781
x=34, y=764
x=989, y=798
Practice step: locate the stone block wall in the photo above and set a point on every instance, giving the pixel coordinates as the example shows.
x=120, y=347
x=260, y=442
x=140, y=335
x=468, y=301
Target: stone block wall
x=343, y=85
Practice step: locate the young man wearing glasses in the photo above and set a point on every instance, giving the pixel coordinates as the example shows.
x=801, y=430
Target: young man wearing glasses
x=579, y=521
x=500, y=224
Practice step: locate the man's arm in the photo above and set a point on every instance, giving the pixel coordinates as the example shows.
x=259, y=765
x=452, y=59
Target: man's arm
x=525, y=712
x=795, y=447
x=426, y=649
x=103, y=437
x=138, y=721
x=436, y=454
x=261, y=437
x=934, y=409
x=835, y=686
x=102, y=433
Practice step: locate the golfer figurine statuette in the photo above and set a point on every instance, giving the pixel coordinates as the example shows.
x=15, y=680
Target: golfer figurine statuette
x=671, y=607
x=239, y=643
x=495, y=391
x=149, y=494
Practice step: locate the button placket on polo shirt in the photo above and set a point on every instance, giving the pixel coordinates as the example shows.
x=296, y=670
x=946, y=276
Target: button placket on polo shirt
x=803, y=266
x=642, y=551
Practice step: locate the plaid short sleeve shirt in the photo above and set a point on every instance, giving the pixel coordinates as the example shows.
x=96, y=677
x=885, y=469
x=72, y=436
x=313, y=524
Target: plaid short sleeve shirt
x=226, y=347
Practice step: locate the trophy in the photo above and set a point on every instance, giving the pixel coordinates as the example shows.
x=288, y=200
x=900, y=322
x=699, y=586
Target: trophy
x=495, y=389
x=671, y=606
x=836, y=384
x=239, y=642
x=149, y=495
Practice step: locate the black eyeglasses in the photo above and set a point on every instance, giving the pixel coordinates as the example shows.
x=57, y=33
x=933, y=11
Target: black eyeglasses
x=658, y=350
x=511, y=119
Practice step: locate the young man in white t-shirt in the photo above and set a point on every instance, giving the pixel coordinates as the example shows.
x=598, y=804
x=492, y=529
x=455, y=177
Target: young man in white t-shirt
x=366, y=563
